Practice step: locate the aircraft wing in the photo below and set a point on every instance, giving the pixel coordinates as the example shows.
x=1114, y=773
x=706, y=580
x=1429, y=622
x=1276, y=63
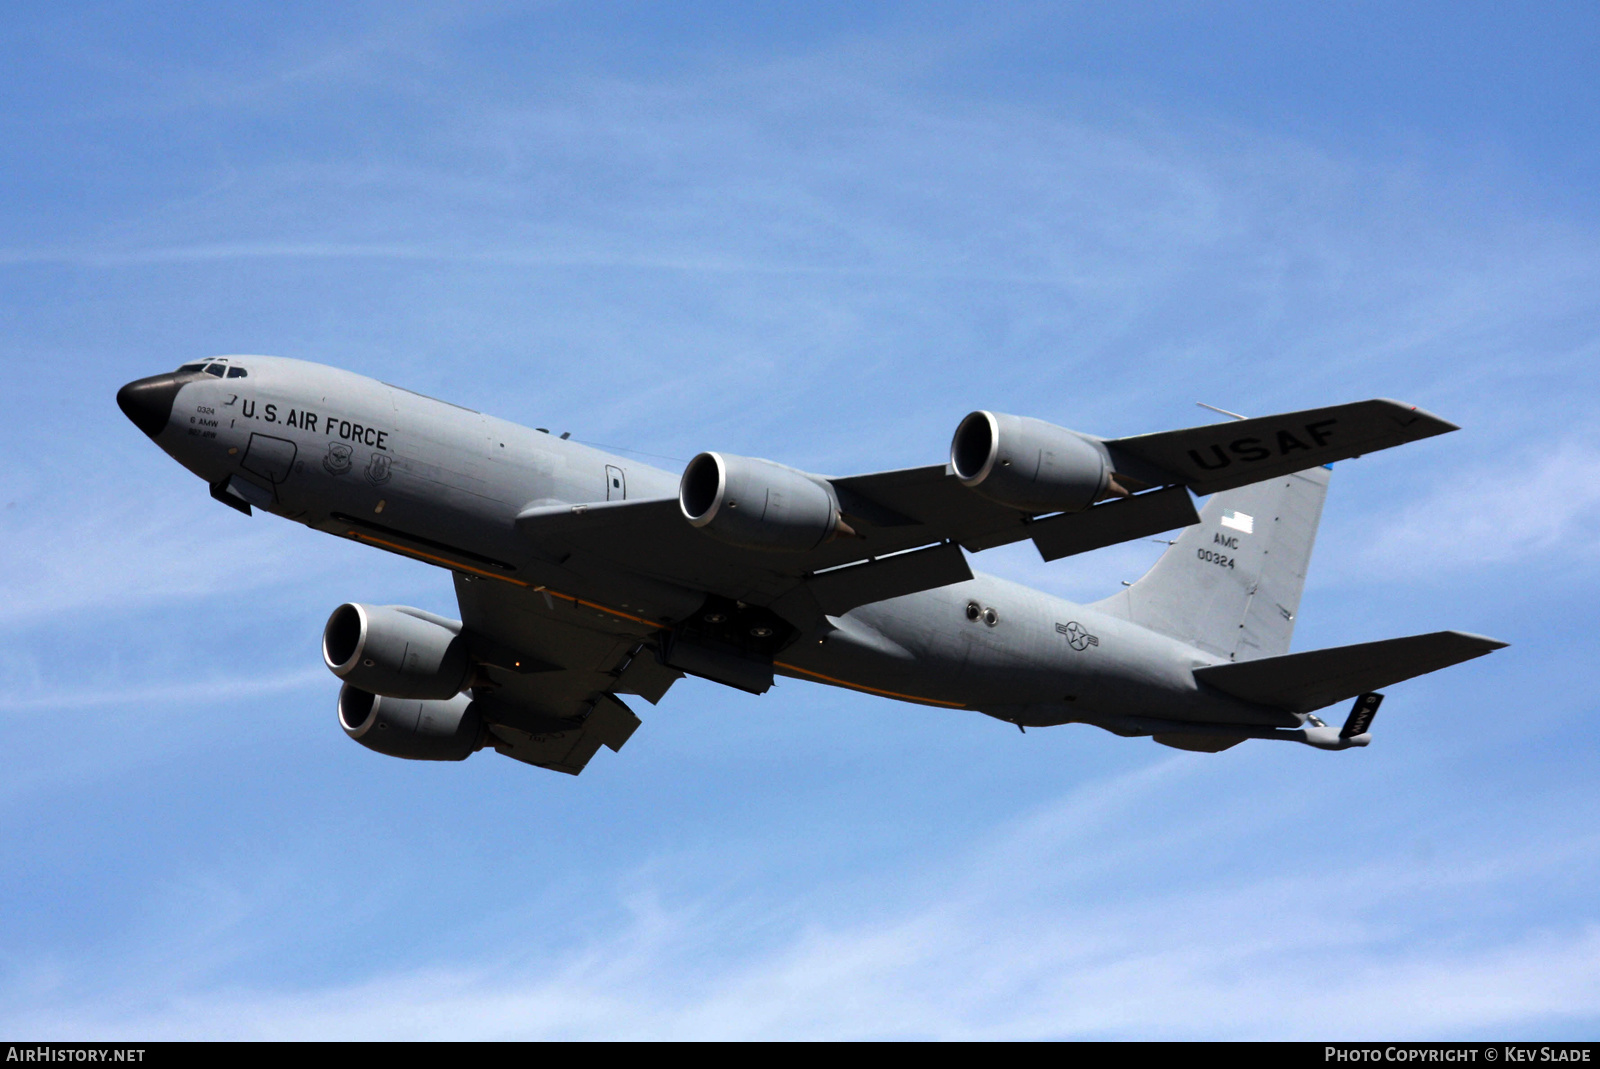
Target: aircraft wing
x=550, y=691
x=913, y=523
x=1221, y=456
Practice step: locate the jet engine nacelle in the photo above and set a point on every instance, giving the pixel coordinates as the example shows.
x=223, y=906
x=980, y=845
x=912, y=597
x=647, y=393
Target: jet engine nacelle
x=395, y=651
x=1029, y=464
x=757, y=504
x=421, y=730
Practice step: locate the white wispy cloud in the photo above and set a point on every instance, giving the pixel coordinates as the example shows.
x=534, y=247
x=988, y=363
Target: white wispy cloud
x=1541, y=501
x=66, y=733
x=84, y=533
x=1131, y=264
x=197, y=693
x=1047, y=930
x=150, y=548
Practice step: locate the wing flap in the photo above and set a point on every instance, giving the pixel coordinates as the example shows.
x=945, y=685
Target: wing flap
x=577, y=521
x=842, y=589
x=1302, y=682
x=932, y=498
x=645, y=676
x=568, y=747
x=1115, y=521
x=558, y=716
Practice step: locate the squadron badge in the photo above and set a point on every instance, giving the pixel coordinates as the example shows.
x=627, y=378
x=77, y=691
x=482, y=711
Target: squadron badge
x=337, y=462
x=378, y=469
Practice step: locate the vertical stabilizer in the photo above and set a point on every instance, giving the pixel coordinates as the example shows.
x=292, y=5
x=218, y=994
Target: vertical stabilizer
x=1231, y=583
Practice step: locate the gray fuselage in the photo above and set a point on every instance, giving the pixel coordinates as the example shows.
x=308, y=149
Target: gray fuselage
x=351, y=456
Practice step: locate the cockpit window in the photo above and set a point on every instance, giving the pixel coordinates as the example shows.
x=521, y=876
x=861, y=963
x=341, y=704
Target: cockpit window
x=191, y=367
x=237, y=373
x=216, y=369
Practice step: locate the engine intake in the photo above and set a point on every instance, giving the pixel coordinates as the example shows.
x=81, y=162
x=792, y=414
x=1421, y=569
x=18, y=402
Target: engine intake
x=1029, y=464
x=396, y=651
x=449, y=730
x=758, y=504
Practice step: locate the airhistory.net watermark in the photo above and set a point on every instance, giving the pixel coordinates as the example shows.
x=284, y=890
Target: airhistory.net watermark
x=42, y=1052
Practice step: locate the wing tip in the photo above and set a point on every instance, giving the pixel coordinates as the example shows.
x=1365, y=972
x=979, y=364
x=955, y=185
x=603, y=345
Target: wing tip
x=1421, y=422
x=1483, y=642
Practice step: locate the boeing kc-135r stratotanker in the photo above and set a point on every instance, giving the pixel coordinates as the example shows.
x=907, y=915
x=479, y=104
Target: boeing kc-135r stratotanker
x=583, y=576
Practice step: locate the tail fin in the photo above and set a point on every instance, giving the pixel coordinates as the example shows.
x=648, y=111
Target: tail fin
x=1231, y=583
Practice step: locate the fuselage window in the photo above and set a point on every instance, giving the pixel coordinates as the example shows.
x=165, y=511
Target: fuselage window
x=237, y=373
x=216, y=369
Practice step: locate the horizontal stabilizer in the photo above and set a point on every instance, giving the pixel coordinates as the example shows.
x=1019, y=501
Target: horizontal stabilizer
x=1115, y=521
x=1220, y=456
x=1301, y=682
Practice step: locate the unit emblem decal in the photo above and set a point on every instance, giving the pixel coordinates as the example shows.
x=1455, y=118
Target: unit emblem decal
x=378, y=469
x=337, y=462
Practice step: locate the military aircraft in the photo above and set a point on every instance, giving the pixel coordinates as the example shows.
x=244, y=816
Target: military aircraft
x=583, y=576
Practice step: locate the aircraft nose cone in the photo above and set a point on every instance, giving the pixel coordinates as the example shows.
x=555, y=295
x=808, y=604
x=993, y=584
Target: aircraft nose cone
x=148, y=402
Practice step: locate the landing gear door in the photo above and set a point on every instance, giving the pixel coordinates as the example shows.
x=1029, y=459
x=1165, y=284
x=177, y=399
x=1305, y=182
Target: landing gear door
x=616, y=484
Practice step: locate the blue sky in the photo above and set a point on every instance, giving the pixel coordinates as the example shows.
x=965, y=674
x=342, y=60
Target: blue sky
x=819, y=233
